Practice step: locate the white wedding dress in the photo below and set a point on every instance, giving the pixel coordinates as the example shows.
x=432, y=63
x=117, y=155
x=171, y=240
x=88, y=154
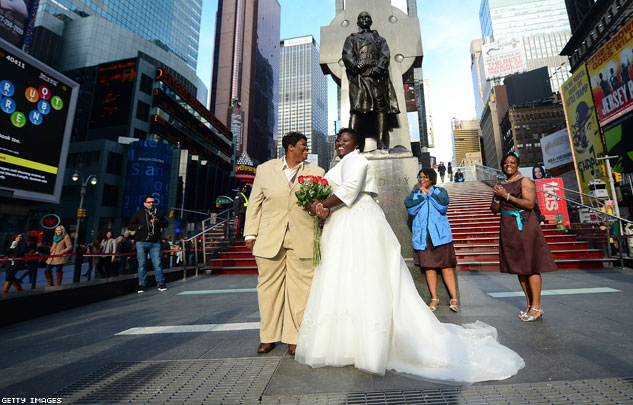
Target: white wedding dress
x=364, y=309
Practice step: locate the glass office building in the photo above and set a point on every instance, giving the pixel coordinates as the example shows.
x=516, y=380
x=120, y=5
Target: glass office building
x=303, y=95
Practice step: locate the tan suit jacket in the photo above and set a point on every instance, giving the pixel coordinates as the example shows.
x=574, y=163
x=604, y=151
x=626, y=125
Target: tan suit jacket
x=272, y=208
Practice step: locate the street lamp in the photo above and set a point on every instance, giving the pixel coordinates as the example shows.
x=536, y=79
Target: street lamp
x=92, y=179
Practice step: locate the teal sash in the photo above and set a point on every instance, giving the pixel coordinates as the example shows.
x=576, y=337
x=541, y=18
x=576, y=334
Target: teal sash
x=518, y=216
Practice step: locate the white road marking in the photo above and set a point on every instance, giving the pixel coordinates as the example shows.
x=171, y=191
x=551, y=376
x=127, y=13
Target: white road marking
x=213, y=327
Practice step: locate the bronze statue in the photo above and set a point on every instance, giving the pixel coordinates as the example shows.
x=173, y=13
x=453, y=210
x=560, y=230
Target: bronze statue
x=371, y=93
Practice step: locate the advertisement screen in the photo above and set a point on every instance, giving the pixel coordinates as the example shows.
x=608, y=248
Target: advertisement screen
x=148, y=174
x=610, y=75
x=37, y=106
x=553, y=208
x=14, y=15
x=584, y=132
x=620, y=143
x=556, y=149
x=113, y=94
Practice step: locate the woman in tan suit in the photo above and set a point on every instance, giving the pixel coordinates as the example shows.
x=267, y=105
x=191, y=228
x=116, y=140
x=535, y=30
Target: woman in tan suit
x=61, y=245
x=280, y=234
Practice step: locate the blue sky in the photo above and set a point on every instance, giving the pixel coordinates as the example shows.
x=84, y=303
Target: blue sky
x=447, y=28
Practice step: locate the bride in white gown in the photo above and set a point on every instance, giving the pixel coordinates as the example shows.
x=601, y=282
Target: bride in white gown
x=364, y=309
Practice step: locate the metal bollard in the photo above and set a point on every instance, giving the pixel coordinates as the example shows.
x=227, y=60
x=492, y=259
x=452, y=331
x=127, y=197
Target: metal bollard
x=184, y=260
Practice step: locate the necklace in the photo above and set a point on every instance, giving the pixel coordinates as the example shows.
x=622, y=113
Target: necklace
x=514, y=178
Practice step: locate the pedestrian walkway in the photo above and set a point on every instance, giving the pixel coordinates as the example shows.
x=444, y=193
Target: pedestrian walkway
x=196, y=343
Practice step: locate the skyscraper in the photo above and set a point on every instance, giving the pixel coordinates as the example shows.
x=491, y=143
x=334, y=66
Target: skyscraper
x=303, y=95
x=543, y=26
x=245, y=73
x=465, y=139
x=71, y=34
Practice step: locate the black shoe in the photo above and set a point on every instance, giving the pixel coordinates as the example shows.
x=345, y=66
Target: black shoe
x=162, y=287
x=141, y=289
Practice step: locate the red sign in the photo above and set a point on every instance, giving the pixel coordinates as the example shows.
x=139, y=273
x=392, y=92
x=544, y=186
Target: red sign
x=50, y=221
x=552, y=207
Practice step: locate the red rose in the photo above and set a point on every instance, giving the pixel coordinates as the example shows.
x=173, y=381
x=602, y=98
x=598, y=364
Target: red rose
x=300, y=180
x=314, y=180
x=324, y=182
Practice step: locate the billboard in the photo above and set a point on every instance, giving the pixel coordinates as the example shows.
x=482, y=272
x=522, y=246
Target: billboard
x=610, y=75
x=528, y=86
x=14, y=16
x=112, y=101
x=37, y=107
x=619, y=143
x=502, y=58
x=556, y=149
x=582, y=124
x=148, y=174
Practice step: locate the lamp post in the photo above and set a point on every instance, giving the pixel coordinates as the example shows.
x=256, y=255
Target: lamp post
x=92, y=179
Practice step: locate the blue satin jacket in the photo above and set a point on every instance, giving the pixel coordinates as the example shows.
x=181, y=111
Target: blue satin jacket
x=430, y=217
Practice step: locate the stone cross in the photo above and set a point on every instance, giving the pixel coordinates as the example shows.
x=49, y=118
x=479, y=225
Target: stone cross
x=405, y=45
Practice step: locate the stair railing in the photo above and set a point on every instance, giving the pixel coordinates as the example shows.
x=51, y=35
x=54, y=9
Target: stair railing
x=208, y=224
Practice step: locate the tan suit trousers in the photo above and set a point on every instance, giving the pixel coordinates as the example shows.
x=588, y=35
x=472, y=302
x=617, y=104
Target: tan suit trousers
x=283, y=287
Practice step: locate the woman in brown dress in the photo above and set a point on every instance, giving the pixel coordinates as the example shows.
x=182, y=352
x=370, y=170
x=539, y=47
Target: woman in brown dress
x=432, y=239
x=522, y=247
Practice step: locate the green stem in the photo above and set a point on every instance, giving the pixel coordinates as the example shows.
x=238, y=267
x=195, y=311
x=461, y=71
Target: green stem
x=316, y=248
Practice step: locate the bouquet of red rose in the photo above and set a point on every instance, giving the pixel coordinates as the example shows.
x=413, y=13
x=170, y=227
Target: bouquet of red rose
x=313, y=188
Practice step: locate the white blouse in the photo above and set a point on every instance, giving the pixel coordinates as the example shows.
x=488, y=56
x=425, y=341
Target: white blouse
x=351, y=176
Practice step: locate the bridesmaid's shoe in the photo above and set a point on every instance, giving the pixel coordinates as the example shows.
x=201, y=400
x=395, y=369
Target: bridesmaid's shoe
x=454, y=307
x=523, y=313
x=434, y=307
x=529, y=318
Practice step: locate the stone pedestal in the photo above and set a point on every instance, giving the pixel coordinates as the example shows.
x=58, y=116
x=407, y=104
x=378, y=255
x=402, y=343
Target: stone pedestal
x=395, y=176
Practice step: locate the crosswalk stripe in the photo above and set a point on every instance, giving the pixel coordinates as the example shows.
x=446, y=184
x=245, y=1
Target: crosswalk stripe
x=235, y=290
x=567, y=291
x=213, y=327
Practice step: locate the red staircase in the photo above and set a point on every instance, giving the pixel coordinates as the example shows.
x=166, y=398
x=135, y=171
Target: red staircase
x=476, y=233
x=475, y=237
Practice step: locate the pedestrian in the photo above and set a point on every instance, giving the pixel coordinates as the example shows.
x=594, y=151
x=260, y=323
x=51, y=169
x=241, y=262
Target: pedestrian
x=165, y=249
x=242, y=206
x=148, y=224
x=17, y=248
x=459, y=176
x=31, y=265
x=432, y=239
x=93, y=261
x=106, y=267
x=61, y=245
x=280, y=234
x=441, y=169
x=125, y=246
x=449, y=171
x=522, y=247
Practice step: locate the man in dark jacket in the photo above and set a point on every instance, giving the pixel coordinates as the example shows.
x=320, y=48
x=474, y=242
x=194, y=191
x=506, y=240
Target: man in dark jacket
x=148, y=224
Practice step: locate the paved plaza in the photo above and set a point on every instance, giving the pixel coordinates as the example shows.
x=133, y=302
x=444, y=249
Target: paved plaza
x=196, y=343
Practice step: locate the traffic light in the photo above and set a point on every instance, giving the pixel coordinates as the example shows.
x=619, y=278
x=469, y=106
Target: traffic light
x=171, y=213
x=604, y=170
x=618, y=177
x=81, y=213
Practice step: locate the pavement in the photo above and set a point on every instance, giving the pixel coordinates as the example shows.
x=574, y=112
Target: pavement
x=196, y=343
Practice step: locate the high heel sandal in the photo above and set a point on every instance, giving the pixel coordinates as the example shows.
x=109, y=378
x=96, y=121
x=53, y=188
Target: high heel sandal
x=434, y=307
x=454, y=307
x=529, y=318
x=523, y=313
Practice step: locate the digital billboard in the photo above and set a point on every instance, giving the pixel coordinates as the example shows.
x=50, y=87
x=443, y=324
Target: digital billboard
x=610, y=74
x=556, y=149
x=148, y=174
x=14, y=16
x=619, y=142
x=113, y=94
x=37, y=107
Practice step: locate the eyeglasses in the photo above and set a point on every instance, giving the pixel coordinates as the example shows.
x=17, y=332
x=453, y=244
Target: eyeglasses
x=422, y=177
x=150, y=202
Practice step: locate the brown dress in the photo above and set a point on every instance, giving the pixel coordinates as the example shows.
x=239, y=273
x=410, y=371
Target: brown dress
x=522, y=252
x=435, y=257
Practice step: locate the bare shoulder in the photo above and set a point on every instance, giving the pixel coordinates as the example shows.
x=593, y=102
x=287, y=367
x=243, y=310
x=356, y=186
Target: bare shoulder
x=525, y=182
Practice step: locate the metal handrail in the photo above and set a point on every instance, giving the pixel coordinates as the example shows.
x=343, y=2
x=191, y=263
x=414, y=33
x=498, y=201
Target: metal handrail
x=585, y=206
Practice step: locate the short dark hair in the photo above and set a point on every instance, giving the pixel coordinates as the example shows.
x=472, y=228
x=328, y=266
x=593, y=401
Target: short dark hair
x=431, y=174
x=350, y=131
x=291, y=138
x=149, y=196
x=511, y=154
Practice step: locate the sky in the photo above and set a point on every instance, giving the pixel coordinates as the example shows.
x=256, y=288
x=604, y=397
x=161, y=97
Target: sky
x=447, y=27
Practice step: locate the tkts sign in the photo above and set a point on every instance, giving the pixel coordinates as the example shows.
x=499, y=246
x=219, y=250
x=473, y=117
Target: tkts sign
x=550, y=200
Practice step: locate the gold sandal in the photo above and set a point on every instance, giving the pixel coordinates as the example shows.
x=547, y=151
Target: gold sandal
x=434, y=307
x=454, y=307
